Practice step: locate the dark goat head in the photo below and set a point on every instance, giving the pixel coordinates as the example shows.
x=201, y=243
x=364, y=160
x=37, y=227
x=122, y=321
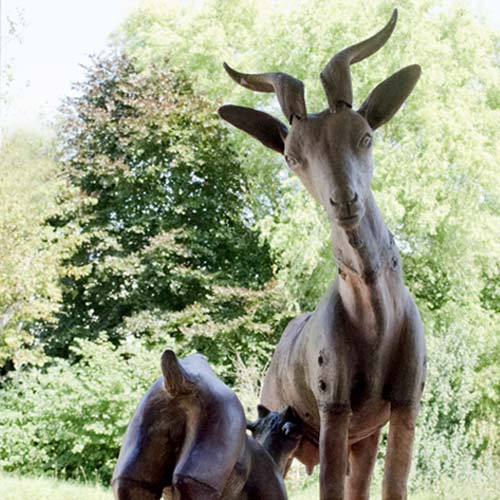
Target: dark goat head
x=279, y=433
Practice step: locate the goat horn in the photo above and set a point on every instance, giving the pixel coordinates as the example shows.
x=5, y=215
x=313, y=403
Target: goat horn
x=336, y=77
x=289, y=90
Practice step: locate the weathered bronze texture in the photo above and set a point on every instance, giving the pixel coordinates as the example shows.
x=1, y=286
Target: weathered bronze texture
x=358, y=361
x=187, y=440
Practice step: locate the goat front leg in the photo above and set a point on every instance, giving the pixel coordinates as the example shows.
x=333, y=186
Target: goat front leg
x=399, y=449
x=333, y=453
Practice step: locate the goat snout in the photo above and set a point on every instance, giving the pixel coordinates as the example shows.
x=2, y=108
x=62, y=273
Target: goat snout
x=347, y=208
x=343, y=197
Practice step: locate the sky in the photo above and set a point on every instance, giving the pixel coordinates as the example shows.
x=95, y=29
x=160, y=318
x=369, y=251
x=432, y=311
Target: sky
x=57, y=37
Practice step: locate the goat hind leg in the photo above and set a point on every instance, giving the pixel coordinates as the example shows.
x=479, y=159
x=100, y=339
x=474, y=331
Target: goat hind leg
x=362, y=461
x=399, y=451
x=125, y=489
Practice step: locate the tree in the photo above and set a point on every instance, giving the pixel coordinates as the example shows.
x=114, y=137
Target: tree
x=154, y=210
x=28, y=255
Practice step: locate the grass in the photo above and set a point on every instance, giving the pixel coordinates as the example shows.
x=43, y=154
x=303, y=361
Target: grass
x=27, y=488
x=38, y=488
x=447, y=490
x=475, y=487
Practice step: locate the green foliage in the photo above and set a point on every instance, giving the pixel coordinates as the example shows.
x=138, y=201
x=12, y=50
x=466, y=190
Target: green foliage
x=449, y=440
x=154, y=210
x=231, y=325
x=436, y=182
x=28, y=279
x=69, y=419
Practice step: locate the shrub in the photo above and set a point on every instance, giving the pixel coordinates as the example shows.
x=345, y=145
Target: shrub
x=68, y=419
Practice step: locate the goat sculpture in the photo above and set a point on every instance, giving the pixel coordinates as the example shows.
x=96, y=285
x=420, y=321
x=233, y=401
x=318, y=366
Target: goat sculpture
x=359, y=360
x=187, y=441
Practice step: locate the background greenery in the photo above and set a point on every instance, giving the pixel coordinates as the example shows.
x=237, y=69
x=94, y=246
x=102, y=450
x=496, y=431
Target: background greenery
x=148, y=224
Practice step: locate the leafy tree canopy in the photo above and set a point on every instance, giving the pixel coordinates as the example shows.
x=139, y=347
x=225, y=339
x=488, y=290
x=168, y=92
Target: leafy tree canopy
x=28, y=253
x=436, y=179
x=154, y=210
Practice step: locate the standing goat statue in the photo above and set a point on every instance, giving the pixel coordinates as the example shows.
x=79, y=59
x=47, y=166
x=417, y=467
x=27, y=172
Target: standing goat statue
x=358, y=361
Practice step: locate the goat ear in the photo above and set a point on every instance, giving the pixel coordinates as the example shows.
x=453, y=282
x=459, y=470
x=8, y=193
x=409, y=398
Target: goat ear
x=387, y=97
x=290, y=415
x=262, y=411
x=265, y=128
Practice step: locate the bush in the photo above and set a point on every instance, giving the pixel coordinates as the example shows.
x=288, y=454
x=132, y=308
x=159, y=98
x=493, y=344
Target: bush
x=68, y=419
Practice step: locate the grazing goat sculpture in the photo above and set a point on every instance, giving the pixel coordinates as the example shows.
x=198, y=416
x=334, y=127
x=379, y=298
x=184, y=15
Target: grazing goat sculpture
x=358, y=361
x=187, y=441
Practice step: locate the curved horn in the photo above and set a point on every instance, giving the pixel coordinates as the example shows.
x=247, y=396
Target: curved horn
x=289, y=90
x=336, y=77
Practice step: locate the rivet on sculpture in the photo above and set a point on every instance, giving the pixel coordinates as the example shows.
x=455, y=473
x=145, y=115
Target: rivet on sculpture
x=358, y=361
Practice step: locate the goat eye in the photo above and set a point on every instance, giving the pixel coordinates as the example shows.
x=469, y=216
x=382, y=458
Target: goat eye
x=292, y=162
x=365, y=141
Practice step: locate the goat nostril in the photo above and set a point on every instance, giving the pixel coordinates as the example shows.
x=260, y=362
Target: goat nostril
x=354, y=199
x=348, y=198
